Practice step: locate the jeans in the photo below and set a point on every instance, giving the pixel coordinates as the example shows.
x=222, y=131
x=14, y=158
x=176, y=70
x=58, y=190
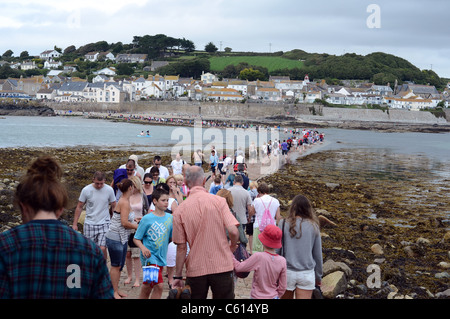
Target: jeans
x=117, y=252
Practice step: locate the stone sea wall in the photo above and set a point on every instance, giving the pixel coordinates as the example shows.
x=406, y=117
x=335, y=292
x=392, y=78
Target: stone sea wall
x=255, y=111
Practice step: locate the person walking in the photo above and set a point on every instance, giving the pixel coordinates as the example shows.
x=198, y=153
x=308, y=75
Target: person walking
x=97, y=197
x=261, y=203
x=269, y=278
x=201, y=221
x=139, y=206
x=152, y=237
x=117, y=236
x=242, y=202
x=302, y=248
x=43, y=258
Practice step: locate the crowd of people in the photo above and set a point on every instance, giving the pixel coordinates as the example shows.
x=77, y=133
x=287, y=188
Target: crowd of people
x=165, y=218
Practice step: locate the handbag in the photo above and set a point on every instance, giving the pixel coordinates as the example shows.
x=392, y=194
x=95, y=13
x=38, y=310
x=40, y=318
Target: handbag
x=241, y=254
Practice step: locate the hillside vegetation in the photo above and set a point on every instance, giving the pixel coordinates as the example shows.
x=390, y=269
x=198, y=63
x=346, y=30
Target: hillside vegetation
x=380, y=68
x=271, y=63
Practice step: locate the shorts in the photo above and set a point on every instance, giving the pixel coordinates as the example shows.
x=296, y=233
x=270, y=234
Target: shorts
x=284, y=152
x=96, y=233
x=305, y=279
x=213, y=168
x=135, y=251
x=117, y=252
x=160, y=277
x=249, y=229
x=172, y=254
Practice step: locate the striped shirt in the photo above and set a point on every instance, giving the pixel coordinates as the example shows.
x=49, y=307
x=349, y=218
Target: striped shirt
x=44, y=259
x=116, y=230
x=201, y=220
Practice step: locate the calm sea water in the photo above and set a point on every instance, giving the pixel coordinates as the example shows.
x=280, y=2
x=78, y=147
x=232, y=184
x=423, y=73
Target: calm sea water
x=76, y=131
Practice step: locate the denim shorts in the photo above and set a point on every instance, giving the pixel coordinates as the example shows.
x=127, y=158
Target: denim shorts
x=305, y=280
x=117, y=252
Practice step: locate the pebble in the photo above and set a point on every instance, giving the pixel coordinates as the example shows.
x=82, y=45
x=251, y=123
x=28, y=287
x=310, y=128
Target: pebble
x=377, y=249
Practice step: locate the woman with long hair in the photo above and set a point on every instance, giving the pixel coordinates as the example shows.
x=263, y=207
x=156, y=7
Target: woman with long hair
x=117, y=237
x=139, y=206
x=302, y=248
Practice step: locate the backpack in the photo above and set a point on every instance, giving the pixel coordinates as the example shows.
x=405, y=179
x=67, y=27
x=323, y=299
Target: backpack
x=267, y=218
x=119, y=175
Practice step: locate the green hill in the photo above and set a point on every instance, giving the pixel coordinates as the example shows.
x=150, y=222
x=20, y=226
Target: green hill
x=271, y=63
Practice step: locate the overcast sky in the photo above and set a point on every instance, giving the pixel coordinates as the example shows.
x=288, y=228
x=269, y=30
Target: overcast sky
x=416, y=30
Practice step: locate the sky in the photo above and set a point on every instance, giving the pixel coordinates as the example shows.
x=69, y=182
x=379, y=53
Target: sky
x=416, y=30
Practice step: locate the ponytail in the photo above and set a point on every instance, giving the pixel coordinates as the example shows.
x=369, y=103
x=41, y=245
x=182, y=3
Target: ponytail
x=41, y=187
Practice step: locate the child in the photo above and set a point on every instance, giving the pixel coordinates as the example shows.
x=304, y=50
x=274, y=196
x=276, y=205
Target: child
x=269, y=279
x=152, y=237
x=216, y=185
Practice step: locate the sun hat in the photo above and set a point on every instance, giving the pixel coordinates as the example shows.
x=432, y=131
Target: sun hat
x=271, y=236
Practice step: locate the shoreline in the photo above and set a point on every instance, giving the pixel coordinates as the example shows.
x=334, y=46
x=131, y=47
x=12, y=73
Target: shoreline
x=283, y=121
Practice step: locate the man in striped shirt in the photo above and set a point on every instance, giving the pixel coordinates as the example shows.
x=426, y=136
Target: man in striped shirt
x=201, y=221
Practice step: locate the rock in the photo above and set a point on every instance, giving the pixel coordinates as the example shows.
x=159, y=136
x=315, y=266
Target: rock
x=361, y=289
x=325, y=222
x=409, y=251
x=377, y=249
x=423, y=241
x=331, y=266
x=333, y=284
x=444, y=265
x=444, y=294
x=332, y=186
x=323, y=212
x=441, y=275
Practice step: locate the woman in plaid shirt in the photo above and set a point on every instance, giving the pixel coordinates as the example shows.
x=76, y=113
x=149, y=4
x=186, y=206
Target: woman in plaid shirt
x=43, y=258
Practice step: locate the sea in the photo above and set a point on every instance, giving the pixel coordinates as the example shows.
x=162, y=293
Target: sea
x=408, y=156
x=74, y=131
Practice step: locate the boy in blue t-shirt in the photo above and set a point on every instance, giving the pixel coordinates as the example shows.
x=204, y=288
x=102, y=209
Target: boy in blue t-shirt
x=153, y=236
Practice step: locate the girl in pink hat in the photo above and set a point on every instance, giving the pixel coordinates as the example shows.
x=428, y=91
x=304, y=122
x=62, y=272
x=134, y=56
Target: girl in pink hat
x=269, y=278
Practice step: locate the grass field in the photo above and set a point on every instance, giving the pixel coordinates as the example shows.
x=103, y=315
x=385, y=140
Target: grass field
x=269, y=62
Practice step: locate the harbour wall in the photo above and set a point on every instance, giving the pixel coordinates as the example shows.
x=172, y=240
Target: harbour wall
x=253, y=111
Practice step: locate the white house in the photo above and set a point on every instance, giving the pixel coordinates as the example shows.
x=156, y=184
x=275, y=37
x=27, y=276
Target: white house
x=49, y=54
x=94, y=56
x=28, y=65
x=413, y=104
x=157, y=80
x=107, y=71
x=208, y=78
x=45, y=94
x=152, y=90
x=239, y=85
x=52, y=64
x=268, y=94
x=91, y=56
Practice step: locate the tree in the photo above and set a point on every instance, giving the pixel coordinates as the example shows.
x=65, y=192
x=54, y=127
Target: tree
x=187, y=45
x=251, y=75
x=8, y=54
x=227, y=49
x=24, y=55
x=210, y=48
x=124, y=69
x=69, y=49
